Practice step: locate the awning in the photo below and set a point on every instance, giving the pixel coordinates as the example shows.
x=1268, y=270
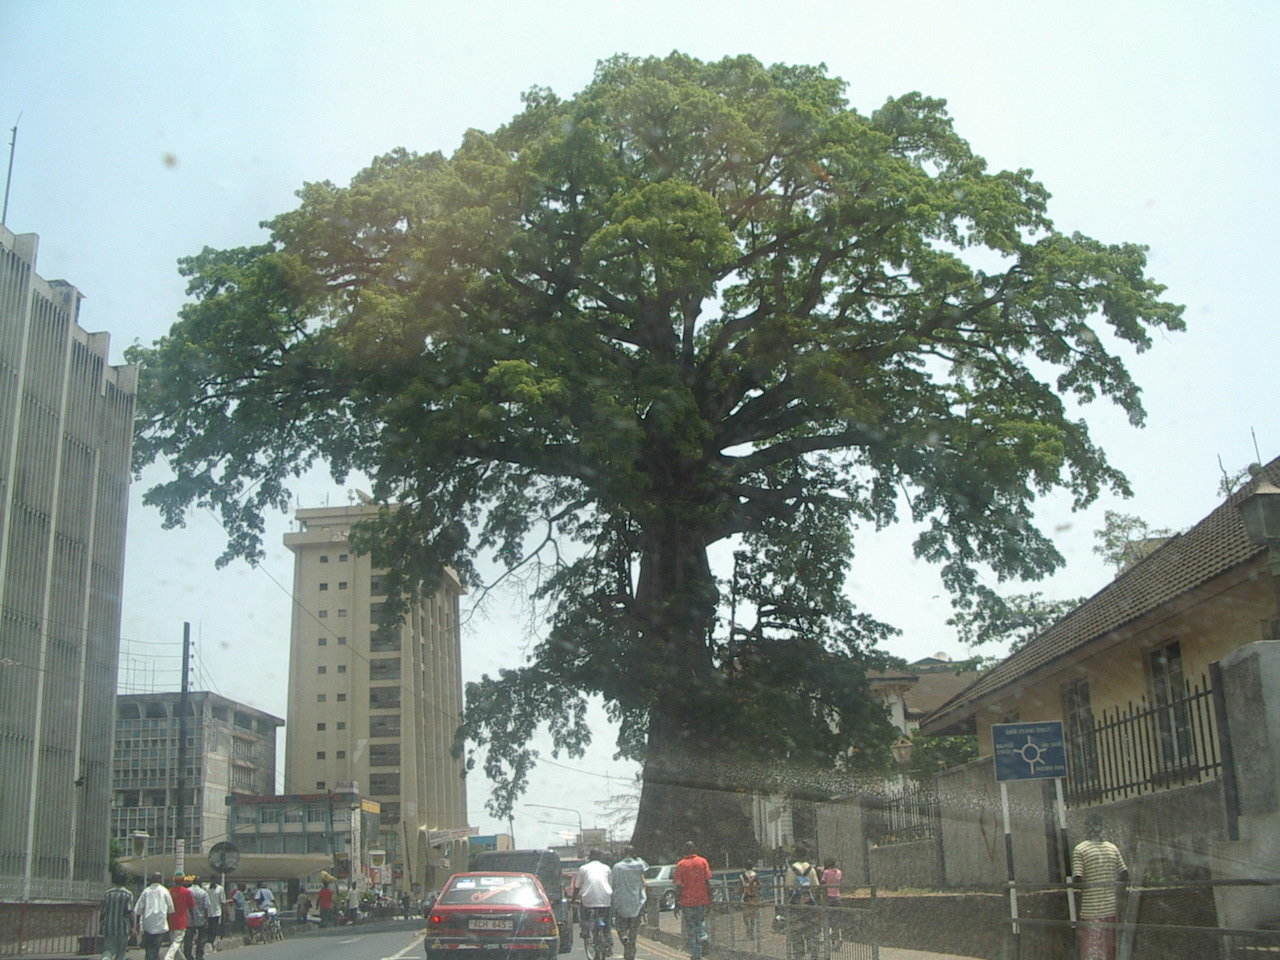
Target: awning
x=253, y=866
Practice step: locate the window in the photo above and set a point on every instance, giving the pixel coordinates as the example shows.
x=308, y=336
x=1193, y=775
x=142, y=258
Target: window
x=322, y=642
x=319, y=726
x=384, y=755
x=342, y=641
x=319, y=754
x=320, y=698
x=316, y=814
x=341, y=754
x=342, y=725
x=322, y=614
x=1082, y=745
x=1169, y=697
x=324, y=587
x=322, y=669
x=384, y=698
x=342, y=584
x=324, y=558
x=342, y=698
x=384, y=783
x=385, y=668
x=342, y=612
x=342, y=558
x=377, y=586
x=319, y=784
x=390, y=813
x=384, y=725
x=342, y=668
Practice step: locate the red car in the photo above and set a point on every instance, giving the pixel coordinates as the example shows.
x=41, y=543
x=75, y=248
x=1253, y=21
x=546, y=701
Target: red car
x=492, y=911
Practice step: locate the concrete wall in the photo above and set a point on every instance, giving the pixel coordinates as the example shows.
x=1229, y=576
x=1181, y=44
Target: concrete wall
x=840, y=827
x=914, y=865
x=973, y=833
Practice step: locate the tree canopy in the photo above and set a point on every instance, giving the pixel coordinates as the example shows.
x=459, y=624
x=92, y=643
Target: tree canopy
x=695, y=303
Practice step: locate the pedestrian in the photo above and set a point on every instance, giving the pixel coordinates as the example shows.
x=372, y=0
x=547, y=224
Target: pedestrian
x=302, y=907
x=1098, y=867
x=324, y=902
x=152, y=912
x=240, y=906
x=627, y=880
x=692, y=877
x=217, y=908
x=115, y=919
x=193, y=947
x=180, y=918
x=263, y=897
x=802, y=920
x=751, y=902
x=593, y=890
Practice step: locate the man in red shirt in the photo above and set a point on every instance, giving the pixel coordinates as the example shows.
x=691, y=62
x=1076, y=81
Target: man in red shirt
x=183, y=904
x=692, y=877
x=324, y=901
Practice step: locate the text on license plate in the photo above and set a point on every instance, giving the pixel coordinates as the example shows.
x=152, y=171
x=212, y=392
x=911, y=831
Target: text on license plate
x=482, y=924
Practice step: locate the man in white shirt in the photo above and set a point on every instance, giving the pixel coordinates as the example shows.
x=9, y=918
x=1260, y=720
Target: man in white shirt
x=593, y=889
x=152, y=910
x=217, y=906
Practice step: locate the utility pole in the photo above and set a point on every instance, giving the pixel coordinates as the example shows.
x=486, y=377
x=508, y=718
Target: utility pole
x=13, y=140
x=184, y=700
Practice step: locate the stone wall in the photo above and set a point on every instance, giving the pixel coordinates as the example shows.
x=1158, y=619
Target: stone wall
x=912, y=865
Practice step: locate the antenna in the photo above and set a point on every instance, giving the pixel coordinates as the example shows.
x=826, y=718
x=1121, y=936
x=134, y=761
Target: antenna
x=13, y=140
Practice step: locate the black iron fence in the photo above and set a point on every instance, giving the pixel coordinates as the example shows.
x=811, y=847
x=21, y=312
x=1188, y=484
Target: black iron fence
x=912, y=813
x=1144, y=747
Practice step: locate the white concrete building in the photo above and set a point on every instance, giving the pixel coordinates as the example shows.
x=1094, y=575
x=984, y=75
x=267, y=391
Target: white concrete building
x=66, y=426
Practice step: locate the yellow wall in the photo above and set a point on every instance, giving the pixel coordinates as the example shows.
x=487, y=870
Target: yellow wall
x=1117, y=675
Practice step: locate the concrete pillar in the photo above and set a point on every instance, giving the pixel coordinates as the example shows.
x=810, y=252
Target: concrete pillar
x=1251, y=690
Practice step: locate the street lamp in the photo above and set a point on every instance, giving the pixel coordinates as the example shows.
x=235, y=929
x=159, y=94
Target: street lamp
x=547, y=806
x=1260, y=512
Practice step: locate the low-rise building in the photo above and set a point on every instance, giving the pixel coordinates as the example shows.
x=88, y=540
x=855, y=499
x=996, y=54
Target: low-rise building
x=230, y=750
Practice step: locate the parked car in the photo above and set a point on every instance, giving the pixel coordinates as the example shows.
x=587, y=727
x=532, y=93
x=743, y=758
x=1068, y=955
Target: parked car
x=659, y=885
x=487, y=910
x=543, y=864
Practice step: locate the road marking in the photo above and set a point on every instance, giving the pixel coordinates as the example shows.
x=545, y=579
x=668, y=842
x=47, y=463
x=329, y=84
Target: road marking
x=405, y=952
x=351, y=940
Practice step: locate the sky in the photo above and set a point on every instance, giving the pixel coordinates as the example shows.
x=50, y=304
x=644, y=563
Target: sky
x=148, y=131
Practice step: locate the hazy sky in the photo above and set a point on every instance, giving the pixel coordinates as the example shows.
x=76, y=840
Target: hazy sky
x=150, y=130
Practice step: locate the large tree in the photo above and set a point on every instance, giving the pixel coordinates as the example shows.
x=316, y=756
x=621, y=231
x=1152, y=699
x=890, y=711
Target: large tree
x=695, y=303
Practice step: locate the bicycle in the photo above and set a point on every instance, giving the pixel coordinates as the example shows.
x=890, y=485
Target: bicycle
x=596, y=936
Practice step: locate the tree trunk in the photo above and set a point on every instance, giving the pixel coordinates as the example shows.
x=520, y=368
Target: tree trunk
x=692, y=790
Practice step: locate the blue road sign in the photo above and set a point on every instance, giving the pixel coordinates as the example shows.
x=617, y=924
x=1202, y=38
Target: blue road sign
x=1029, y=751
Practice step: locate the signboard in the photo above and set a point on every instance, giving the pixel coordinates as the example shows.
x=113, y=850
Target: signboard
x=1029, y=751
x=487, y=841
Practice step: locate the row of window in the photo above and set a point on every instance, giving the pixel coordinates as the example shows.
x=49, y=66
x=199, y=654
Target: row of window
x=380, y=784
x=342, y=585
x=386, y=668
x=380, y=725
x=338, y=754
x=324, y=614
x=342, y=558
x=324, y=642
x=380, y=698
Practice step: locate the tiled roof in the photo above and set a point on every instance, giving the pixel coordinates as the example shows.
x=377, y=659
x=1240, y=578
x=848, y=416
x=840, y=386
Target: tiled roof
x=1214, y=545
x=936, y=688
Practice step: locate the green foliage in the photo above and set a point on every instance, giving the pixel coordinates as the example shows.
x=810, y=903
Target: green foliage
x=1125, y=538
x=1016, y=619
x=694, y=302
x=931, y=755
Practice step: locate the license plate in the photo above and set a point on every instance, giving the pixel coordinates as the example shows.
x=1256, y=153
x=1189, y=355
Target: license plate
x=483, y=924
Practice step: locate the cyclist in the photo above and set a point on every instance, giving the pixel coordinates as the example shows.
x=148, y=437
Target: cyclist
x=594, y=892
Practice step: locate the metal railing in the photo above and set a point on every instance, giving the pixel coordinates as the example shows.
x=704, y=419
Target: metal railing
x=1145, y=747
x=29, y=929
x=913, y=814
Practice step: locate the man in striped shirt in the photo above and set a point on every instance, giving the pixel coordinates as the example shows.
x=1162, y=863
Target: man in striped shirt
x=1098, y=867
x=116, y=919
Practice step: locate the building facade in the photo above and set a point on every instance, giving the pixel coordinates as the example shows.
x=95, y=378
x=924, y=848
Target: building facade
x=374, y=705
x=231, y=751
x=66, y=425
x=339, y=824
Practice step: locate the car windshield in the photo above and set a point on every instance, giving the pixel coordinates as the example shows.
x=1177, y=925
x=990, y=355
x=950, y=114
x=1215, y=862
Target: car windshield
x=493, y=891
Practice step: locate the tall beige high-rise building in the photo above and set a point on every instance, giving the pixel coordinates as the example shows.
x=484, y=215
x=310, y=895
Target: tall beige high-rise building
x=66, y=430
x=373, y=705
